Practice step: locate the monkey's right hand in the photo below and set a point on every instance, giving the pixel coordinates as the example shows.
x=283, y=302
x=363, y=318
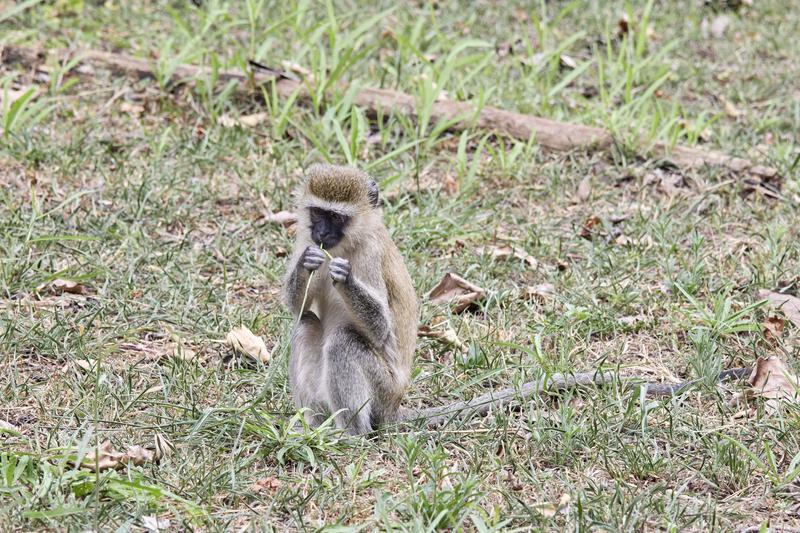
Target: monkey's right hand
x=313, y=258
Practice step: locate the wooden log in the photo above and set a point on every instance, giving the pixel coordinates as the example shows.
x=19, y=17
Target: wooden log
x=550, y=134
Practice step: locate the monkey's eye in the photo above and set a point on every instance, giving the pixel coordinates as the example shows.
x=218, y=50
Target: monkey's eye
x=315, y=214
x=339, y=219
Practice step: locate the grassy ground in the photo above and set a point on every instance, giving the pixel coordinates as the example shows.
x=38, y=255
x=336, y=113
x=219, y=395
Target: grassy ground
x=136, y=190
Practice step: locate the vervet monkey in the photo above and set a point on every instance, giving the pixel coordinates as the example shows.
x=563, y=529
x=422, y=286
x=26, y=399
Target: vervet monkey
x=353, y=342
x=354, y=338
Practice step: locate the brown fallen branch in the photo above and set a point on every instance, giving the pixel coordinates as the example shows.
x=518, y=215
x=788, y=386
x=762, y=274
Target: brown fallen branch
x=550, y=134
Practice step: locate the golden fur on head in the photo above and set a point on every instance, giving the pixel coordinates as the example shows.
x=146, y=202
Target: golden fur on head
x=344, y=190
x=337, y=185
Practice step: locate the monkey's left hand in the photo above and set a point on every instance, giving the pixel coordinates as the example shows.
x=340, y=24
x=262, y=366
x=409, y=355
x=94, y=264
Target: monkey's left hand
x=339, y=269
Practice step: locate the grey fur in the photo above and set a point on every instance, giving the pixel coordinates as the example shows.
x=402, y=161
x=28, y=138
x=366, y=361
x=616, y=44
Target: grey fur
x=353, y=347
x=374, y=193
x=339, y=269
x=333, y=368
x=371, y=314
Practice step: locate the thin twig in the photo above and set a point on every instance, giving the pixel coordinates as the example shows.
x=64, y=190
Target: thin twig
x=308, y=285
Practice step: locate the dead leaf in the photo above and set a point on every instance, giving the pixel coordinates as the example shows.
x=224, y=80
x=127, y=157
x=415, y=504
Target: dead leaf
x=670, y=184
x=541, y=292
x=666, y=287
x=632, y=320
x=162, y=447
x=153, y=389
x=298, y=69
x=455, y=288
x=131, y=108
x=251, y=121
x=245, y=121
x=13, y=94
x=444, y=335
x=227, y=121
x=772, y=380
x=730, y=109
x=568, y=62
x=623, y=27
x=83, y=364
x=148, y=351
x=577, y=403
x=503, y=49
x=773, y=328
x=623, y=240
x=549, y=510
x=438, y=320
x=450, y=185
x=8, y=428
x=155, y=524
x=155, y=351
x=244, y=342
x=180, y=351
x=445, y=483
x=266, y=484
x=284, y=218
x=584, y=189
x=515, y=484
x=719, y=25
x=60, y=286
x=590, y=227
x=790, y=305
x=105, y=457
x=138, y=456
x=538, y=59
x=508, y=252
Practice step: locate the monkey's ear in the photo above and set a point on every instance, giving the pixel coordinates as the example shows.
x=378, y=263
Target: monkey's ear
x=373, y=193
x=313, y=159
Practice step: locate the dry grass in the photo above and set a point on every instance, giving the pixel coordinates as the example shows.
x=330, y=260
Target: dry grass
x=138, y=192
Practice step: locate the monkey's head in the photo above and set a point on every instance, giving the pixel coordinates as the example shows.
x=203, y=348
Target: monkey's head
x=337, y=203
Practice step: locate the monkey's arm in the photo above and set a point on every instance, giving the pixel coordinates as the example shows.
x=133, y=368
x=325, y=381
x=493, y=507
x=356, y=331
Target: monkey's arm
x=370, y=309
x=295, y=288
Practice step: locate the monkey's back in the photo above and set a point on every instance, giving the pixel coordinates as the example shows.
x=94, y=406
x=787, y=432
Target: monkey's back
x=402, y=302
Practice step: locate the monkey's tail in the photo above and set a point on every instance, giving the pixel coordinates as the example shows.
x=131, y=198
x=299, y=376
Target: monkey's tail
x=660, y=389
x=439, y=415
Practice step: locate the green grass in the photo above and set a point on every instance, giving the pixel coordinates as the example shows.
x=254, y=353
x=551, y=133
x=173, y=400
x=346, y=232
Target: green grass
x=158, y=212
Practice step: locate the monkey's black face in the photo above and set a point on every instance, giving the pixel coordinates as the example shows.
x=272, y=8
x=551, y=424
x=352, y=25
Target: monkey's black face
x=327, y=227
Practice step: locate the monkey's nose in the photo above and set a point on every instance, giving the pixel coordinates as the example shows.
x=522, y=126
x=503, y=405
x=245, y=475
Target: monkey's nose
x=318, y=236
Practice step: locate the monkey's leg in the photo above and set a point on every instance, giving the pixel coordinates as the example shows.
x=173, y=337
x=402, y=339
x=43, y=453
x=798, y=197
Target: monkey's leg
x=305, y=369
x=349, y=388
